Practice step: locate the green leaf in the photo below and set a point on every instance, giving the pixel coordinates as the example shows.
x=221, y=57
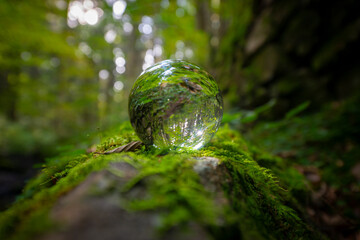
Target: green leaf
x=295, y=111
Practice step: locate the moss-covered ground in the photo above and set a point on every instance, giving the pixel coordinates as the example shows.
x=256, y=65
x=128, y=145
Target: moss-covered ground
x=261, y=192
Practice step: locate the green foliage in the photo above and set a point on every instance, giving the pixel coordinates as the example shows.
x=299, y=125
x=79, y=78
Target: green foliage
x=243, y=117
x=46, y=87
x=16, y=136
x=327, y=141
x=293, y=112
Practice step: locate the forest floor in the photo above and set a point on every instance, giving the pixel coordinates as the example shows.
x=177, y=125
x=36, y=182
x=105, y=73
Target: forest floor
x=325, y=148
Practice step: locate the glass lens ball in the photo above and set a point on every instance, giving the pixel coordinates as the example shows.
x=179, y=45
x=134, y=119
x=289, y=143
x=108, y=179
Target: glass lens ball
x=175, y=105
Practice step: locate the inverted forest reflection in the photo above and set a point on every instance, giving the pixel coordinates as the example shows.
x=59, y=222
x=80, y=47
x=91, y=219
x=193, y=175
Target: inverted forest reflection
x=175, y=105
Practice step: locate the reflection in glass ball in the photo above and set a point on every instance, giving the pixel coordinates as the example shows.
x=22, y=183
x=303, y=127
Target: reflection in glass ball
x=175, y=105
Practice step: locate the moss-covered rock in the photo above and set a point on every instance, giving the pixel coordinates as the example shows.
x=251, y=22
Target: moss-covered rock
x=227, y=190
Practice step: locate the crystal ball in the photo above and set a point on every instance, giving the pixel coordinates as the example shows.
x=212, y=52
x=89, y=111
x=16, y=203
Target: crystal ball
x=175, y=105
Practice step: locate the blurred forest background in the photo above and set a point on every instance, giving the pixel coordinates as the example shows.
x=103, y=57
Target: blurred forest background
x=289, y=72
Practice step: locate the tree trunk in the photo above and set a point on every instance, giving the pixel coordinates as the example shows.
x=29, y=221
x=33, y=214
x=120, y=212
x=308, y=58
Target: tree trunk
x=7, y=97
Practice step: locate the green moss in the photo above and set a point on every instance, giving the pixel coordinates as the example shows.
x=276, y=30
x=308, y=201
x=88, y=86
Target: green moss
x=260, y=201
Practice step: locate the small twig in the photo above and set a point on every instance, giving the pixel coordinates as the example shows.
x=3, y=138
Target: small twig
x=130, y=147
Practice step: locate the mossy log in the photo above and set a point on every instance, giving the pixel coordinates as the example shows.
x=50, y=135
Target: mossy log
x=227, y=190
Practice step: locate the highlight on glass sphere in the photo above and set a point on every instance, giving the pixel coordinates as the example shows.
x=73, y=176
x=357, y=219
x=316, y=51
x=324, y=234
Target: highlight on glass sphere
x=175, y=105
